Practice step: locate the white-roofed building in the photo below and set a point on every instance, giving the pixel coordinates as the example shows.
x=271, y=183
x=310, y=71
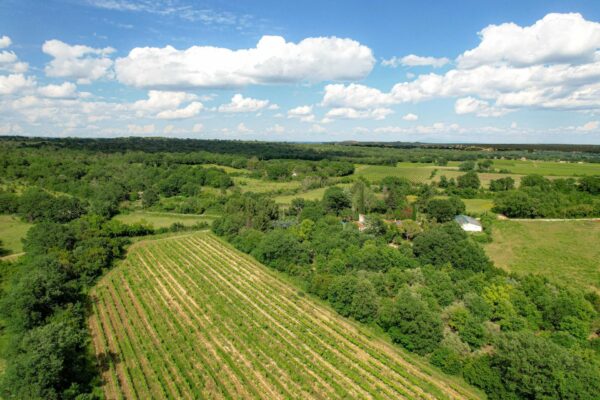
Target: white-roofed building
x=468, y=224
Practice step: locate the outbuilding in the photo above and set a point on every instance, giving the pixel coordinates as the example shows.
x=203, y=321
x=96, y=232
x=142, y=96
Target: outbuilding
x=468, y=224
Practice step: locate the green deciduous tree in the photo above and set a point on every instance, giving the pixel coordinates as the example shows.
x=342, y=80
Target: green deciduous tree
x=410, y=322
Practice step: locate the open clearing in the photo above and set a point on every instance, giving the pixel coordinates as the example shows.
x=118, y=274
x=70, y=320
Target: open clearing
x=12, y=230
x=565, y=251
x=421, y=172
x=548, y=168
x=263, y=186
x=190, y=317
x=162, y=219
x=415, y=172
x=310, y=195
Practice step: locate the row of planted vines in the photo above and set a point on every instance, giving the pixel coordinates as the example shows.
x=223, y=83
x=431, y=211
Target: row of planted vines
x=190, y=317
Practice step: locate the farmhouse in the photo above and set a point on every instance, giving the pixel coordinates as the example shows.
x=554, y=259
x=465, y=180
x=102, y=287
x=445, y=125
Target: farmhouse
x=468, y=224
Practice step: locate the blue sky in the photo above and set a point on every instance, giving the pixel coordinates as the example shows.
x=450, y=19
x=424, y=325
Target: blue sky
x=464, y=71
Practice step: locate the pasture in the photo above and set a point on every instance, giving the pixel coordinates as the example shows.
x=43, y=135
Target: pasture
x=478, y=206
x=189, y=317
x=548, y=168
x=311, y=195
x=422, y=173
x=12, y=230
x=162, y=219
x=415, y=172
x=265, y=186
x=564, y=251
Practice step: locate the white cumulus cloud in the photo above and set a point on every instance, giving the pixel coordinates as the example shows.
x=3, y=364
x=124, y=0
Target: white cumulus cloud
x=67, y=90
x=241, y=104
x=14, y=83
x=481, y=108
x=303, y=113
x=191, y=110
x=410, y=117
x=163, y=100
x=589, y=126
x=5, y=42
x=355, y=96
x=351, y=113
x=412, y=60
x=82, y=63
x=552, y=64
x=166, y=105
x=242, y=128
x=273, y=60
x=556, y=38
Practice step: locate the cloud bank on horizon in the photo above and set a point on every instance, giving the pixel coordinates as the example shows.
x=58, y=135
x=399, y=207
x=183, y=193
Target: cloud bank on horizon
x=521, y=83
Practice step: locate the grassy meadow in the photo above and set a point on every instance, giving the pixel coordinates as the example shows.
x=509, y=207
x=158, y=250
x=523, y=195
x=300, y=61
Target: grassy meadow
x=162, y=219
x=478, y=206
x=548, y=168
x=263, y=186
x=564, y=251
x=415, y=172
x=12, y=230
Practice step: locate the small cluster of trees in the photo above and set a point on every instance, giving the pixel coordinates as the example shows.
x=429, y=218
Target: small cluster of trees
x=539, y=197
x=466, y=185
x=481, y=166
x=36, y=205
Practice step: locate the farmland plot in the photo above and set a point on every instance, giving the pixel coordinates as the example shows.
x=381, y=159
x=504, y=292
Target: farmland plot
x=189, y=317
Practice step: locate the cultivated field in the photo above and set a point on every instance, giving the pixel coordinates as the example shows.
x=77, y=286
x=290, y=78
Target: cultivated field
x=161, y=219
x=190, y=317
x=565, y=251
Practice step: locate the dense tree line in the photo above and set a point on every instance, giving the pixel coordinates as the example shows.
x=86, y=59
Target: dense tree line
x=44, y=309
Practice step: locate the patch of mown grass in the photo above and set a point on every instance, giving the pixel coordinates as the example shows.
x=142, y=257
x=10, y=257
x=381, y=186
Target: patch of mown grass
x=12, y=230
x=162, y=219
x=564, y=251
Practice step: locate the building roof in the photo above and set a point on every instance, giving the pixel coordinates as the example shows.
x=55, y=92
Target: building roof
x=465, y=219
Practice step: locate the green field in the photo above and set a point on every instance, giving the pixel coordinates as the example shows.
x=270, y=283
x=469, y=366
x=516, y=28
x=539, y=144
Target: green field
x=264, y=186
x=415, y=172
x=565, y=251
x=478, y=206
x=12, y=230
x=162, y=219
x=191, y=317
x=229, y=170
x=421, y=172
x=314, y=194
x=548, y=168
